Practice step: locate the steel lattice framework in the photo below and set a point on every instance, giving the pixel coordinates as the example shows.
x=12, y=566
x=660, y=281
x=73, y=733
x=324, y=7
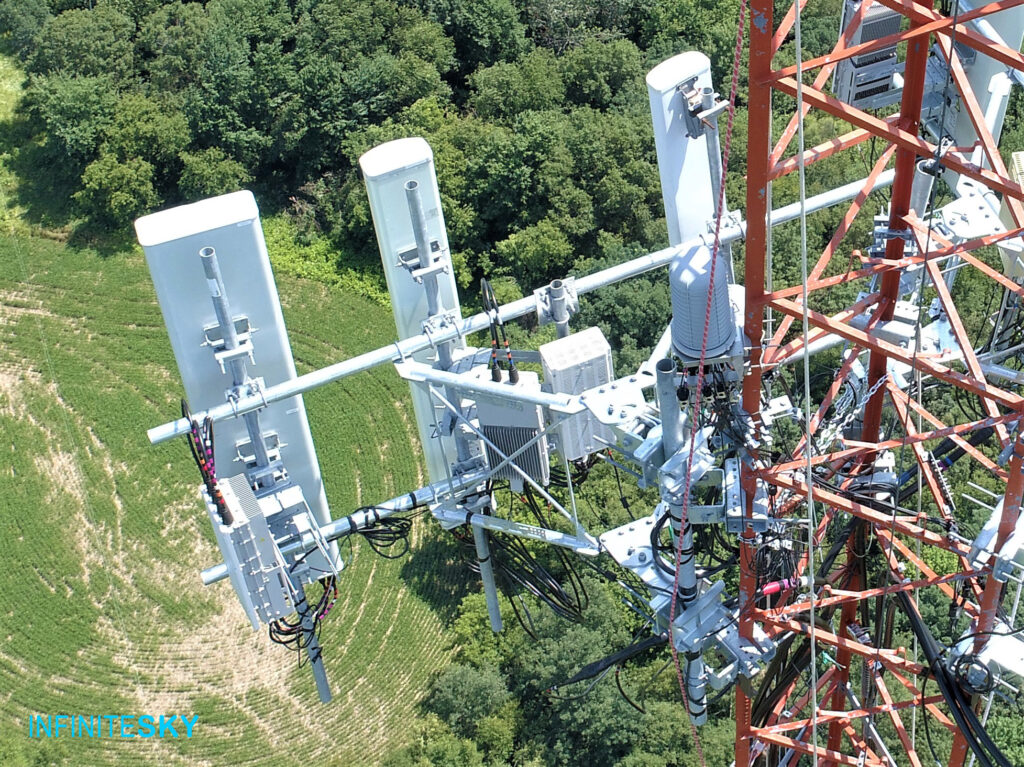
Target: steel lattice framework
x=881, y=669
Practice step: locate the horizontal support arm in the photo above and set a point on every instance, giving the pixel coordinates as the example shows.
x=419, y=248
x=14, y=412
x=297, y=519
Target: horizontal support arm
x=479, y=322
x=361, y=519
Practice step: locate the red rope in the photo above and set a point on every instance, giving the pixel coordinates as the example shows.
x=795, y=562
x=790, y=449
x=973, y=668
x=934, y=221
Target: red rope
x=737, y=55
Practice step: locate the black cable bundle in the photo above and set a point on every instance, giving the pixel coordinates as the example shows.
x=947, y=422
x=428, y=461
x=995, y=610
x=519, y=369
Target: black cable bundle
x=660, y=549
x=579, y=471
x=200, y=441
x=774, y=564
x=705, y=539
x=961, y=671
x=290, y=634
x=386, y=534
x=572, y=574
x=787, y=664
x=949, y=451
x=622, y=495
x=599, y=669
x=518, y=571
x=617, y=658
x=491, y=307
x=981, y=744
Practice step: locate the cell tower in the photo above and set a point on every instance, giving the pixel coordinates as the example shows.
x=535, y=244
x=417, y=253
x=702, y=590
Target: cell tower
x=828, y=500
x=952, y=89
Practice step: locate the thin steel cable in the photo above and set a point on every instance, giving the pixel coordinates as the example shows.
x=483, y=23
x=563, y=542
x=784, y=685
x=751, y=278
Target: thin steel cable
x=719, y=212
x=920, y=499
x=917, y=346
x=812, y=527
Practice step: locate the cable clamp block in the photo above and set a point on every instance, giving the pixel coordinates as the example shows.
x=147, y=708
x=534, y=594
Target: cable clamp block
x=437, y=325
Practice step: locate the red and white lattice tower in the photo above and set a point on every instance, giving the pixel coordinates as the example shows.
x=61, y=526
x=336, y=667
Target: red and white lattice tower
x=893, y=678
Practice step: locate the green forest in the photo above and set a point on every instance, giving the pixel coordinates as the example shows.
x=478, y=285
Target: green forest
x=537, y=114
x=538, y=117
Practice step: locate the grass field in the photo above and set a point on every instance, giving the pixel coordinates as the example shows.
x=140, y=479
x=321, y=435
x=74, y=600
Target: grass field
x=102, y=535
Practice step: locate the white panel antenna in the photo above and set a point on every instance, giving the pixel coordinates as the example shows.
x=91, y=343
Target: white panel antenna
x=230, y=225
x=675, y=88
x=989, y=78
x=209, y=264
x=418, y=290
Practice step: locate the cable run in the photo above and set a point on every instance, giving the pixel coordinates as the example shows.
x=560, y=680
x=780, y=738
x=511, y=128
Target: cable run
x=719, y=212
x=492, y=307
x=812, y=526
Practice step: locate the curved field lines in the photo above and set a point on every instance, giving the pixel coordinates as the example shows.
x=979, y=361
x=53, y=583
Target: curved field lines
x=102, y=536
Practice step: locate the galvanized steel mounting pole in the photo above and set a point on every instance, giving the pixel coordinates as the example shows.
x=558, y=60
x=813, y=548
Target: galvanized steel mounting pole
x=239, y=377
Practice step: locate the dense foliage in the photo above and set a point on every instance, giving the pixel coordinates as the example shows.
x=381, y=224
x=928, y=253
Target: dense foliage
x=537, y=114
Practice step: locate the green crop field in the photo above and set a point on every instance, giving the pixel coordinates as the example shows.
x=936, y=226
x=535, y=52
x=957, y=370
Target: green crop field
x=102, y=535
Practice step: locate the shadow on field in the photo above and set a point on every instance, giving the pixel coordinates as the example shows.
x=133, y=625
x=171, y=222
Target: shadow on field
x=438, y=574
x=45, y=183
x=44, y=189
x=104, y=240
